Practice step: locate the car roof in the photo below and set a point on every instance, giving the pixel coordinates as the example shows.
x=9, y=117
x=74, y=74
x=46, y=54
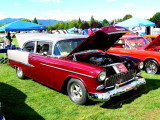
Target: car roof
x=23, y=38
x=58, y=37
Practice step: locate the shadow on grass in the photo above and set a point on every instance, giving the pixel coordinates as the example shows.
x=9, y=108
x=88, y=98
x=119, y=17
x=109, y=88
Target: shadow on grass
x=126, y=98
x=13, y=104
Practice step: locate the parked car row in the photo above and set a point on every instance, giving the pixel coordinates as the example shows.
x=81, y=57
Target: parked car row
x=79, y=65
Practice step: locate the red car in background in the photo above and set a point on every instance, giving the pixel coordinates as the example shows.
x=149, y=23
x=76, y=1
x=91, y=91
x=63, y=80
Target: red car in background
x=137, y=46
x=150, y=38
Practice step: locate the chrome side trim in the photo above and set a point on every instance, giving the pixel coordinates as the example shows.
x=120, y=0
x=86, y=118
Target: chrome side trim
x=67, y=70
x=22, y=63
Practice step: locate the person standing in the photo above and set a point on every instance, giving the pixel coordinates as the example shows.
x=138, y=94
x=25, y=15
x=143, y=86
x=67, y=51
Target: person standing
x=8, y=39
x=90, y=31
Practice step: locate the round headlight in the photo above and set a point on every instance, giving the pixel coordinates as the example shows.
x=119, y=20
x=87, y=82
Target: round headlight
x=102, y=76
x=141, y=65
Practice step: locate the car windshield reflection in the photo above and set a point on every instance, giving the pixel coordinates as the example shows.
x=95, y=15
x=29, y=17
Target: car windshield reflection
x=137, y=42
x=64, y=47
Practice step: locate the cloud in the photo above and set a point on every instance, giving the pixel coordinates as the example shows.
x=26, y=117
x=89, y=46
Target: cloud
x=68, y=14
x=2, y=15
x=67, y=11
x=128, y=4
x=17, y=4
x=56, y=1
x=111, y=15
x=110, y=0
x=56, y=14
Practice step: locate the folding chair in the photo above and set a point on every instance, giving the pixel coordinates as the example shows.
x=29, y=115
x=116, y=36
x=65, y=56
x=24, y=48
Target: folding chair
x=3, y=56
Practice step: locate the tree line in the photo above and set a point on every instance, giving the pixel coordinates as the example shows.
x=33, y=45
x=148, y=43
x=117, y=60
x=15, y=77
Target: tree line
x=93, y=23
x=98, y=24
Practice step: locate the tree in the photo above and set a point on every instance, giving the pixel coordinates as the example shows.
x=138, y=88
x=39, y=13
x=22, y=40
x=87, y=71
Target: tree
x=79, y=21
x=84, y=25
x=25, y=19
x=73, y=23
x=35, y=20
x=155, y=17
x=49, y=28
x=96, y=25
x=105, y=22
x=56, y=26
x=127, y=17
x=119, y=20
x=61, y=26
x=92, y=20
x=66, y=27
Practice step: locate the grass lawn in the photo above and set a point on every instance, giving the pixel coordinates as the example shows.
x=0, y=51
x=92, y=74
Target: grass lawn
x=29, y=100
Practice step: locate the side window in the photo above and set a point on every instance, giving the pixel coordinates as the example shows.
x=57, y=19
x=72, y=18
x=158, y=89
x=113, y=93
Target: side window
x=29, y=47
x=43, y=46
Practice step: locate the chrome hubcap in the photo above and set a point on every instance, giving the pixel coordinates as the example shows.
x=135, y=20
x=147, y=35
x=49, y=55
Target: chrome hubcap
x=76, y=92
x=19, y=72
x=151, y=68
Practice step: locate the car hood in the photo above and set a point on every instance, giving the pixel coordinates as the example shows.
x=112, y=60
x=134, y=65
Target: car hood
x=103, y=39
x=154, y=43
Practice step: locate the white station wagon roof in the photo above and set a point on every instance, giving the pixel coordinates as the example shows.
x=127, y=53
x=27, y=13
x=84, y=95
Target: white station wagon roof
x=57, y=37
x=22, y=38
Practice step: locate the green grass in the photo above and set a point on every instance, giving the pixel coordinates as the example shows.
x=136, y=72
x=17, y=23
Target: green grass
x=29, y=100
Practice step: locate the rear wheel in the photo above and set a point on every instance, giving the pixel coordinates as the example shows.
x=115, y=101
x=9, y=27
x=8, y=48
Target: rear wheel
x=151, y=67
x=77, y=91
x=20, y=73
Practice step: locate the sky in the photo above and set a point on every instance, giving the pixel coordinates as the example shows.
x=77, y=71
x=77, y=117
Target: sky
x=74, y=9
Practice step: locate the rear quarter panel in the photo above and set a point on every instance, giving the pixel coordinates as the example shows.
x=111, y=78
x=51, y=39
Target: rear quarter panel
x=19, y=58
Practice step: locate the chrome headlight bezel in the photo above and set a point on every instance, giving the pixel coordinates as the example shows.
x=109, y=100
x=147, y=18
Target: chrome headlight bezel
x=102, y=76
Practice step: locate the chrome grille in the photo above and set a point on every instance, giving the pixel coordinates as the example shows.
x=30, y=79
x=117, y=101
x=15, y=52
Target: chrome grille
x=119, y=78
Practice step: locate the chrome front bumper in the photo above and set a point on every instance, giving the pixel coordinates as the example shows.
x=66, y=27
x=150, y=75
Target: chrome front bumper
x=116, y=91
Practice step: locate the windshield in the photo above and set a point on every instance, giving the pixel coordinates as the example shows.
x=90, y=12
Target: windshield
x=137, y=42
x=64, y=47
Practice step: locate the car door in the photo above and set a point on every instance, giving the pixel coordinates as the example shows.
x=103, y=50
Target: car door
x=41, y=60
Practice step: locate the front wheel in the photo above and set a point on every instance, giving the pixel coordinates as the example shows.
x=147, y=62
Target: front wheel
x=77, y=91
x=20, y=73
x=151, y=67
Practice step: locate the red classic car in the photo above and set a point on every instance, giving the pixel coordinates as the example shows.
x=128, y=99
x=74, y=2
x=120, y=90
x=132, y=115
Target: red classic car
x=78, y=64
x=137, y=46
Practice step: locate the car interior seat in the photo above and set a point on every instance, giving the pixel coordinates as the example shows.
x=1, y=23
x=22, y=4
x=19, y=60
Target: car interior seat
x=45, y=48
